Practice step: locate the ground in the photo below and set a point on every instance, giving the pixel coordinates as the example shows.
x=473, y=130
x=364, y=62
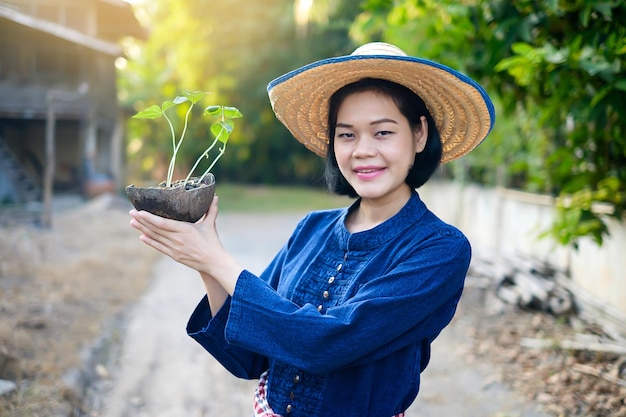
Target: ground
x=566, y=383
x=61, y=288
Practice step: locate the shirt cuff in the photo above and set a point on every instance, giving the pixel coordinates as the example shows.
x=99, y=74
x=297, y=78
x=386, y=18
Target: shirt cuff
x=202, y=322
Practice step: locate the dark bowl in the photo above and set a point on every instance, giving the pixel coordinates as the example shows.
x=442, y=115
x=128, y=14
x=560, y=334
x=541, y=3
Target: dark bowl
x=175, y=202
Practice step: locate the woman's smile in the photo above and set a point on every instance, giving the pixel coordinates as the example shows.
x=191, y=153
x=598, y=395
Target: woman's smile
x=368, y=172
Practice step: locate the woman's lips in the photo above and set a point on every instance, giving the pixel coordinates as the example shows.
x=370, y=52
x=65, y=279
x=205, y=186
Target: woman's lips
x=367, y=173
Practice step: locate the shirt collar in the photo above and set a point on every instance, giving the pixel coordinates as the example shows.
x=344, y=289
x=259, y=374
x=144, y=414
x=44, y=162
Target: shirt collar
x=412, y=211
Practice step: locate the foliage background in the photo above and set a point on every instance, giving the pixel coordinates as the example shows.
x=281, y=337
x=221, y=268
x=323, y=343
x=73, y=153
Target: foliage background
x=555, y=70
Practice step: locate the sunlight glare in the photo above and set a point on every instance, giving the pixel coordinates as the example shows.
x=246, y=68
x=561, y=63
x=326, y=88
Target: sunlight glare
x=303, y=10
x=121, y=63
x=134, y=146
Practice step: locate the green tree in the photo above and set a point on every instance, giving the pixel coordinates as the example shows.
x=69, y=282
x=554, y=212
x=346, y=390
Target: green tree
x=555, y=69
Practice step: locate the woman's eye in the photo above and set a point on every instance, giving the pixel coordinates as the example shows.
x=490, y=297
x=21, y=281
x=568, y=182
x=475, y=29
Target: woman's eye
x=344, y=135
x=384, y=133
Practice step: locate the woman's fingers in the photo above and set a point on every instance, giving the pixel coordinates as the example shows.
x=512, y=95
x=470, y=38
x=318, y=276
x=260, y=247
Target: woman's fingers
x=156, y=244
x=155, y=229
x=154, y=221
x=190, y=244
x=211, y=215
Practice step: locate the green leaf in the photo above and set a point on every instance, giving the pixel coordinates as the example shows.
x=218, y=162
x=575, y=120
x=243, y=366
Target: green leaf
x=553, y=5
x=584, y=16
x=600, y=95
x=521, y=48
x=554, y=55
x=621, y=84
x=520, y=68
x=180, y=99
x=167, y=104
x=232, y=112
x=217, y=130
x=151, y=112
x=194, y=96
x=512, y=62
x=605, y=8
x=222, y=130
x=214, y=111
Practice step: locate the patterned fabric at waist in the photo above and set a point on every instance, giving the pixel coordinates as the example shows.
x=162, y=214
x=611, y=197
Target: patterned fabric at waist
x=262, y=407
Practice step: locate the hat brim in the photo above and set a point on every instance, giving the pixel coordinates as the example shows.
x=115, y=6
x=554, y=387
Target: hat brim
x=462, y=110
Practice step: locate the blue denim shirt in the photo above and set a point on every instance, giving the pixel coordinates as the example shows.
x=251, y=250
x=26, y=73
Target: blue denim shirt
x=343, y=321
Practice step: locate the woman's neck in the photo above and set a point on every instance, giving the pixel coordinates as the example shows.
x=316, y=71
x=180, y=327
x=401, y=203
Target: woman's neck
x=372, y=212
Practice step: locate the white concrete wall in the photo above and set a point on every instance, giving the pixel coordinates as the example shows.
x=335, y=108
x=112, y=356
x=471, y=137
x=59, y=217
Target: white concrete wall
x=511, y=221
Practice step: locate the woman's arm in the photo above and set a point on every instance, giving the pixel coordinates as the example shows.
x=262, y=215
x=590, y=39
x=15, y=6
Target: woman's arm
x=208, y=322
x=196, y=245
x=216, y=294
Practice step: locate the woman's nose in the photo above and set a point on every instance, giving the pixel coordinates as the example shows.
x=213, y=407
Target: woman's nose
x=363, y=147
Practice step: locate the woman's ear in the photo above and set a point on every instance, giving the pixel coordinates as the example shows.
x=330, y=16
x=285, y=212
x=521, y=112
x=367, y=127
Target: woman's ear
x=421, y=135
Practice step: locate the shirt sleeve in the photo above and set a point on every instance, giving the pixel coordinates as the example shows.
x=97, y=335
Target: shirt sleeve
x=410, y=303
x=209, y=331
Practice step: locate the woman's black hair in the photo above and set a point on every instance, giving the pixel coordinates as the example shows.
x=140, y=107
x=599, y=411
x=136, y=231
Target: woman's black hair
x=411, y=106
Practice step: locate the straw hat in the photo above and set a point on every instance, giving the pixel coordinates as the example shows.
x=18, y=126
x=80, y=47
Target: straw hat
x=462, y=110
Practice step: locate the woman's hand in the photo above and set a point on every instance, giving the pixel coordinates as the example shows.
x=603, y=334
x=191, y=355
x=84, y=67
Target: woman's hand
x=195, y=245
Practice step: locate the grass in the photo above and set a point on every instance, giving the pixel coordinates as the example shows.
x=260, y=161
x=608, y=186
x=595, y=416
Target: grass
x=275, y=199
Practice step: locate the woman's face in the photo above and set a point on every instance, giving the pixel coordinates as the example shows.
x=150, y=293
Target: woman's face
x=375, y=146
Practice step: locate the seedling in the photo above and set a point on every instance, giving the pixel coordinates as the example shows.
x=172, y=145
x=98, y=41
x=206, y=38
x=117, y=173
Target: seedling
x=220, y=129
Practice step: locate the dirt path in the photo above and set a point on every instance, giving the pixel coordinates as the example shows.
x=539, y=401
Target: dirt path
x=164, y=373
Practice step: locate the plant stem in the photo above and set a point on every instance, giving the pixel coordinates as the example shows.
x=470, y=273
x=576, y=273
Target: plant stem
x=205, y=153
x=222, y=149
x=170, y=169
x=223, y=132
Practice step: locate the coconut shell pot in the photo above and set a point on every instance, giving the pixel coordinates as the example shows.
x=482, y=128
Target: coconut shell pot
x=179, y=202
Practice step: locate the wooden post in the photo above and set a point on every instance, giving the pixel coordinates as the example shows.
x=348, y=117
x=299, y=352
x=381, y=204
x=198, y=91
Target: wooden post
x=48, y=179
x=115, y=167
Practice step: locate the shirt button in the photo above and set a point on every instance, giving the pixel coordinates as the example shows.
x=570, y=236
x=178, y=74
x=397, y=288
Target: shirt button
x=339, y=267
x=289, y=408
x=320, y=307
x=326, y=294
x=296, y=379
x=331, y=280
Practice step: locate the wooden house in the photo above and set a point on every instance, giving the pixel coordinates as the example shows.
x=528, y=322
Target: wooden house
x=59, y=114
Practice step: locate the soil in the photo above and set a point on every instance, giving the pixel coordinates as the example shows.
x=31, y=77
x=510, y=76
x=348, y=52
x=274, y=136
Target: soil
x=61, y=289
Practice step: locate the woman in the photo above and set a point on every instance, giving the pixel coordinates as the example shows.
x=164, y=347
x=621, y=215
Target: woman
x=341, y=321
